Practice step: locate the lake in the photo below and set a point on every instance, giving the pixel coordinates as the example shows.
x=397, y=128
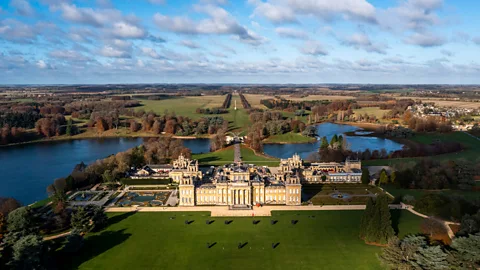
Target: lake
x=355, y=143
x=26, y=170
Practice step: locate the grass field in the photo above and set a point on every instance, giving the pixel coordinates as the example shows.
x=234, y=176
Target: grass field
x=371, y=111
x=471, y=144
x=186, y=106
x=248, y=156
x=318, y=193
x=417, y=193
x=225, y=156
x=320, y=240
x=289, y=138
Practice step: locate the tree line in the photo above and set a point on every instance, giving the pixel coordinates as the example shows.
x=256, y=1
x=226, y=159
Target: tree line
x=245, y=103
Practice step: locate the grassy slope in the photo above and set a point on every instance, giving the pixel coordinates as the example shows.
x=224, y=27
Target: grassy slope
x=471, y=153
x=221, y=157
x=417, y=193
x=154, y=241
x=248, y=156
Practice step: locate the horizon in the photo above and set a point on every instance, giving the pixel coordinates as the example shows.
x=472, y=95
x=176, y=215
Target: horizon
x=254, y=42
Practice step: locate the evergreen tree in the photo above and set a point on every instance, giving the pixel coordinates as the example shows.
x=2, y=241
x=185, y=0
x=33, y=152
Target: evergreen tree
x=393, y=176
x=399, y=254
x=365, y=176
x=80, y=220
x=379, y=228
x=68, y=130
x=367, y=216
x=324, y=143
x=466, y=253
x=383, y=177
x=334, y=140
x=27, y=252
x=74, y=242
x=430, y=257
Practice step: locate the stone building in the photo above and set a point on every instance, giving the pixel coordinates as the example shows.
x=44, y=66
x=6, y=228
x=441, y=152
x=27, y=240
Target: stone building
x=239, y=185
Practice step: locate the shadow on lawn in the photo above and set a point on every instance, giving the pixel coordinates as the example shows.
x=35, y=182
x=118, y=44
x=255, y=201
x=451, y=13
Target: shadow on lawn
x=396, y=215
x=94, y=245
x=118, y=218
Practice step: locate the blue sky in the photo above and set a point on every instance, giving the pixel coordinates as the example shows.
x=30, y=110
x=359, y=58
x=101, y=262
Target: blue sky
x=239, y=41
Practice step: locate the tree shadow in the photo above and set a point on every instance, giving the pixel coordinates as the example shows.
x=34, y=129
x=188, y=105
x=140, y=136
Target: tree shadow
x=121, y=217
x=93, y=246
x=242, y=245
x=275, y=245
x=396, y=215
x=227, y=222
x=273, y=222
x=208, y=159
x=255, y=222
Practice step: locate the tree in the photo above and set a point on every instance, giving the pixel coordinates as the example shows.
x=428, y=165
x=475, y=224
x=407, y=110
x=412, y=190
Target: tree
x=310, y=131
x=366, y=217
x=430, y=257
x=21, y=220
x=393, y=176
x=3, y=226
x=383, y=177
x=69, y=131
x=74, y=242
x=365, y=176
x=399, y=254
x=466, y=251
x=27, y=252
x=81, y=220
x=7, y=205
x=379, y=229
x=324, y=143
x=334, y=140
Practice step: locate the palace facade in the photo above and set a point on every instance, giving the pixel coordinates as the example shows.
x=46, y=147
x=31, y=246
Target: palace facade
x=241, y=185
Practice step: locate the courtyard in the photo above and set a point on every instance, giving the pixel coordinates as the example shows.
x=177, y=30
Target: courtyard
x=318, y=240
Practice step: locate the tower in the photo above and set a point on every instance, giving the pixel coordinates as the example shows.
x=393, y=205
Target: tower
x=293, y=190
x=186, y=190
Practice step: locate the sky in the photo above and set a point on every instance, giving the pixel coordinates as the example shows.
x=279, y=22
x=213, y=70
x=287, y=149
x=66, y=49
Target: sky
x=240, y=41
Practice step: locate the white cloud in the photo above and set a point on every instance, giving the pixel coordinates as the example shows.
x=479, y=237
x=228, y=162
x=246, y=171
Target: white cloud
x=447, y=53
x=114, y=52
x=127, y=30
x=314, y=48
x=189, y=44
x=476, y=40
x=291, y=33
x=220, y=22
x=22, y=7
x=286, y=11
x=72, y=13
x=425, y=40
x=68, y=55
x=363, y=42
x=16, y=31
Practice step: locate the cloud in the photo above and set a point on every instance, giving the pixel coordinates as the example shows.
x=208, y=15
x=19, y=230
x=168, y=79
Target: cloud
x=447, y=53
x=314, y=48
x=476, y=40
x=291, y=33
x=425, y=40
x=220, y=22
x=41, y=64
x=68, y=55
x=189, y=44
x=114, y=52
x=72, y=13
x=286, y=11
x=18, y=32
x=363, y=42
x=22, y=7
x=150, y=52
x=127, y=30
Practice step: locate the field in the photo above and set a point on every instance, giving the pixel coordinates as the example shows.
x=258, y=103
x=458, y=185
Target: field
x=417, y=193
x=453, y=104
x=371, y=110
x=186, y=106
x=254, y=99
x=320, y=240
x=249, y=157
x=471, y=144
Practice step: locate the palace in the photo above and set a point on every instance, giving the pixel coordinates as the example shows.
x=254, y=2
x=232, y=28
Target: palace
x=240, y=185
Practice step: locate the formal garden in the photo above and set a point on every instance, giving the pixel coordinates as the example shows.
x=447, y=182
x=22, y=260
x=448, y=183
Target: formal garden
x=338, y=194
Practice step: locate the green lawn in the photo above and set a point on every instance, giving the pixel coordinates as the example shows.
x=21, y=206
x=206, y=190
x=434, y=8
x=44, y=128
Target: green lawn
x=471, y=144
x=417, y=193
x=318, y=193
x=248, y=156
x=225, y=156
x=289, y=138
x=221, y=157
x=320, y=240
x=186, y=106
